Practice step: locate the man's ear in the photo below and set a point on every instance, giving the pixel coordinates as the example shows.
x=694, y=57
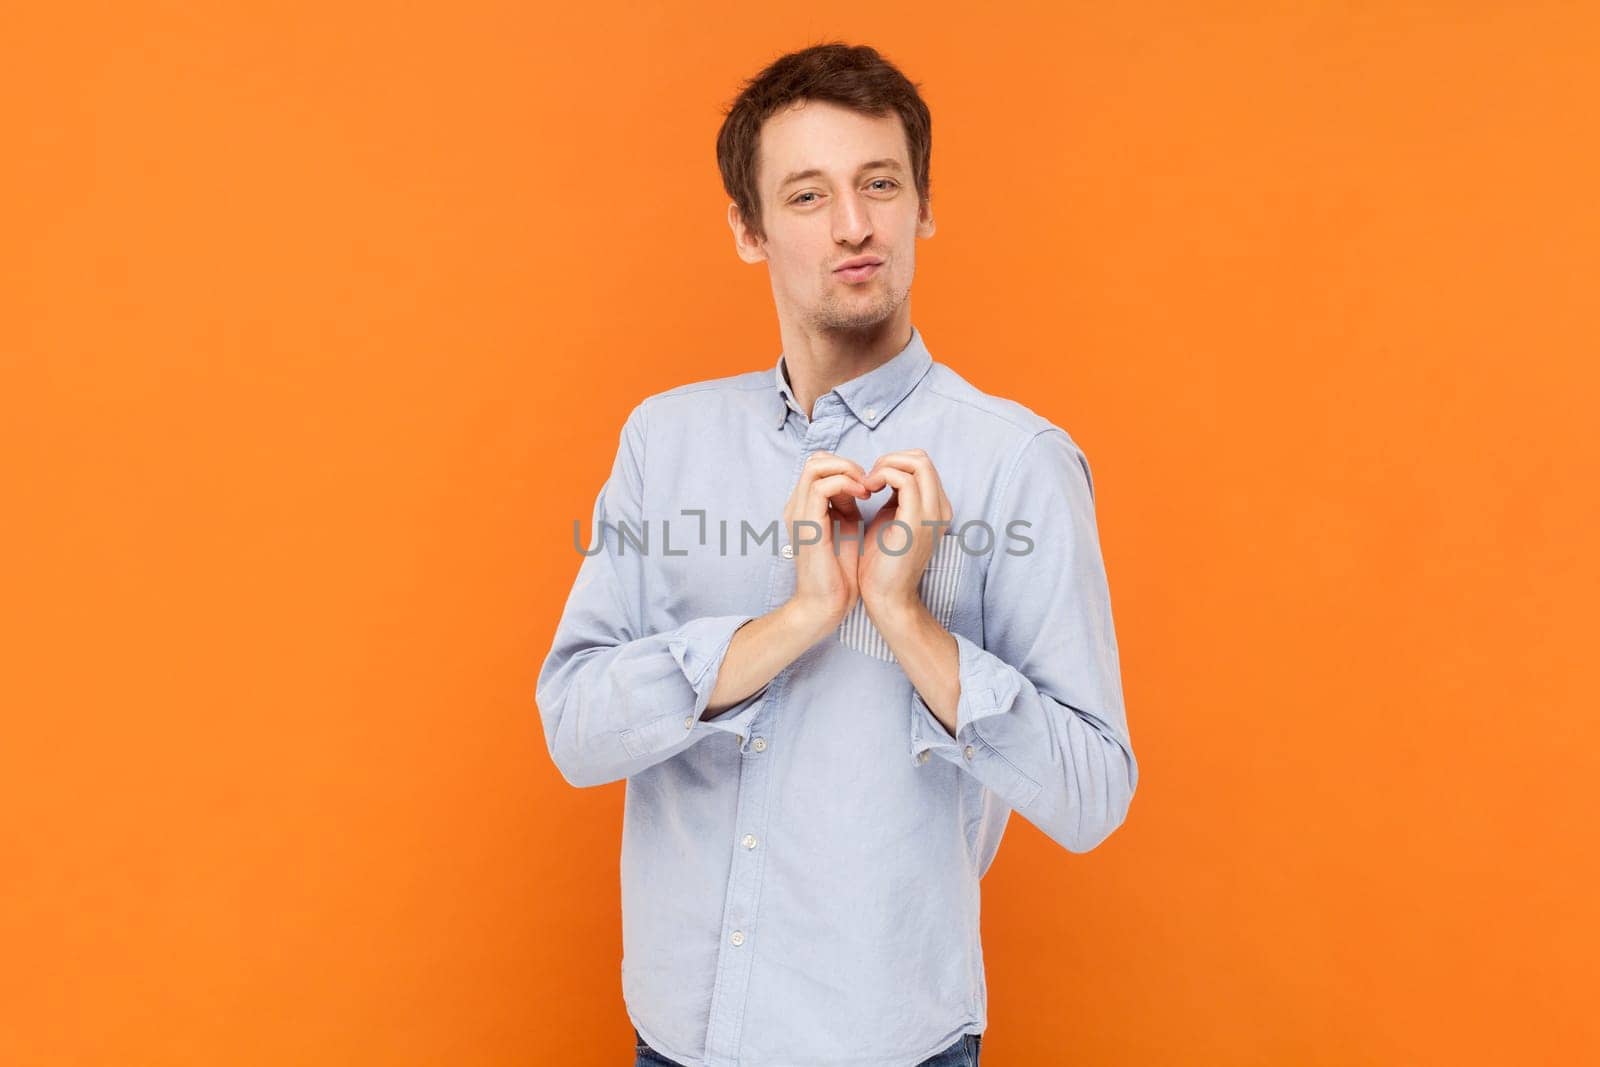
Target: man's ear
x=925, y=225
x=749, y=248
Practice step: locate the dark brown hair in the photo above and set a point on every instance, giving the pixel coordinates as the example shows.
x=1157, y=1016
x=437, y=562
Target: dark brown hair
x=855, y=77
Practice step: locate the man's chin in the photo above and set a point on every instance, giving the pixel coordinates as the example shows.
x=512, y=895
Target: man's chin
x=859, y=319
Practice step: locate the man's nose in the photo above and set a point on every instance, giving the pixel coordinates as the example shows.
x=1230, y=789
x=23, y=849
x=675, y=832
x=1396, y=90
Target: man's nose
x=852, y=223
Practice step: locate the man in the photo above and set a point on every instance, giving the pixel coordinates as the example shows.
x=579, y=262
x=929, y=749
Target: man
x=825, y=722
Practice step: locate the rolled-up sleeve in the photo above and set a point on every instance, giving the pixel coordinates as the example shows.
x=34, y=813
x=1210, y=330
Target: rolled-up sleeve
x=614, y=700
x=1040, y=719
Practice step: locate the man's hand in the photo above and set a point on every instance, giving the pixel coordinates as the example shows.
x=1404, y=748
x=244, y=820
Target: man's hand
x=890, y=584
x=825, y=582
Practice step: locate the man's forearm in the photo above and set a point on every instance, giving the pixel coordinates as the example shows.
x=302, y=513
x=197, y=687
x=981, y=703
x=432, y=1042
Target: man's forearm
x=760, y=649
x=927, y=653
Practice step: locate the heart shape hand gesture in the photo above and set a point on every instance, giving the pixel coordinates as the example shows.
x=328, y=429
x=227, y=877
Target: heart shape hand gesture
x=882, y=564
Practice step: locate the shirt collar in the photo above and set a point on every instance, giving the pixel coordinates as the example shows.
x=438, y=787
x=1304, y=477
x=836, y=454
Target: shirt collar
x=870, y=396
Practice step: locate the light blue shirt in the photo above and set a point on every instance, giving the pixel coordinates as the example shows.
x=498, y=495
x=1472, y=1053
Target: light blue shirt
x=800, y=873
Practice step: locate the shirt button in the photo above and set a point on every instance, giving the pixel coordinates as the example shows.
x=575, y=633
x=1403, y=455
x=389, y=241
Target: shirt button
x=787, y=552
x=922, y=757
x=748, y=841
x=688, y=723
x=968, y=752
x=872, y=413
x=738, y=937
x=759, y=744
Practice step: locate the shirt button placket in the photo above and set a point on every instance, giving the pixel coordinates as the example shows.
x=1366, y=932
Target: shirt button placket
x=744, y=891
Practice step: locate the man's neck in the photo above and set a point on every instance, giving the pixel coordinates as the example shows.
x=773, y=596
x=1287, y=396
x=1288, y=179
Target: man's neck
x=819, y=361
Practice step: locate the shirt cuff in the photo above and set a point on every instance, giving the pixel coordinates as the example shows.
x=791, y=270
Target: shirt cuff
x=989, y=685
x=700, y=646
x=736, y=718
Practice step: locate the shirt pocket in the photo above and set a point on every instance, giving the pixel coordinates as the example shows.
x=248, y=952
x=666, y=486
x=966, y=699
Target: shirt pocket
x=940, y=579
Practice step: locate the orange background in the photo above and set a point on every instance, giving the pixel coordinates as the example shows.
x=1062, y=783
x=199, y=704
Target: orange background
x=319, y=325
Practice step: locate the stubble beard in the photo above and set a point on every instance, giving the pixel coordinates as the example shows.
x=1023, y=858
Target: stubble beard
x=853, y=313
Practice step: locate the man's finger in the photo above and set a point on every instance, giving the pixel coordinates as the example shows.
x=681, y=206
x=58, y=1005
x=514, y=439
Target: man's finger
x=839, y=490
x=916, y=462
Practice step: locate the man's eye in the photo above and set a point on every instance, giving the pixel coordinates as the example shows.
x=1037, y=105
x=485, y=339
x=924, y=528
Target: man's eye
x=799, y=198
x=891, y=181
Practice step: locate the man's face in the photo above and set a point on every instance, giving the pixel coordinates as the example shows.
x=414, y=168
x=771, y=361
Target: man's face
x=836, y=185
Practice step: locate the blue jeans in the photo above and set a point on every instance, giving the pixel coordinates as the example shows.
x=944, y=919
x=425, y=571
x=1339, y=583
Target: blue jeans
x=964, y=1053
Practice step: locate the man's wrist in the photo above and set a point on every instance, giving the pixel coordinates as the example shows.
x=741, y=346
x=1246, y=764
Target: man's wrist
x=897, y=615
x=808, y=623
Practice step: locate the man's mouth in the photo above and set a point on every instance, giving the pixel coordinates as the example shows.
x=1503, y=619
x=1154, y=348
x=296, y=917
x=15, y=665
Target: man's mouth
x=862, y=269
